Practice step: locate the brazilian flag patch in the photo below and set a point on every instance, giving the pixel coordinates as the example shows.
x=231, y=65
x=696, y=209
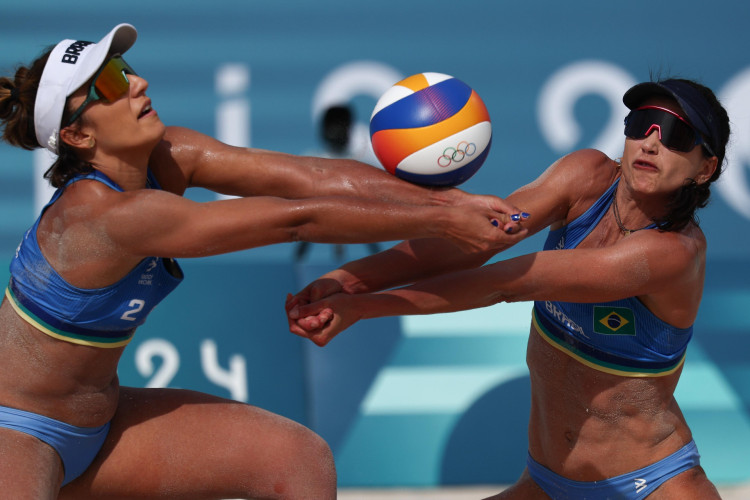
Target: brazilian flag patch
x=614, y=320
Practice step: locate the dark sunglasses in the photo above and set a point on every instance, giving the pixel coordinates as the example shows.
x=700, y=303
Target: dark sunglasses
x=110, y=83
x=674, y=132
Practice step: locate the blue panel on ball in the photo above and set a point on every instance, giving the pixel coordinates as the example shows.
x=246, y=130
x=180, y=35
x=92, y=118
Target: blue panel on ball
x=428, y=106
x=452, y=178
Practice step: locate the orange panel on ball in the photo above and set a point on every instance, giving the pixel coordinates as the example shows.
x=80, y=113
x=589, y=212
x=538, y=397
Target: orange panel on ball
x=392, y=146
x=414, y=83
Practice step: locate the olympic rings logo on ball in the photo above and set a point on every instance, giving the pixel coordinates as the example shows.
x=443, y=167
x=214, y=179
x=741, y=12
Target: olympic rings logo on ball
x=456, y=154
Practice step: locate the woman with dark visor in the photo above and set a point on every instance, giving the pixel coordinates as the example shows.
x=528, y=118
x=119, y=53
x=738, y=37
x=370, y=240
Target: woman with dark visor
x=76, y=292
x=616, y=291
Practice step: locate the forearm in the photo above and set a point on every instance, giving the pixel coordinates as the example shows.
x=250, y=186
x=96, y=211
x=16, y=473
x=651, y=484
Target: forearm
x=352, y=178
x=405, y=263
x=207, y=163
x=299, y=177
x=179, y=227
x=323, y=317
x=243, y=223
x=580, y=275
x=353, y=220
x=458, y=291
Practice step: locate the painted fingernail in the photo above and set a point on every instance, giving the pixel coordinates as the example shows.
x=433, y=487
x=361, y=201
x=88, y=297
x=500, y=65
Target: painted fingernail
x=515, y=217
x=495, y=222
x=525, y=215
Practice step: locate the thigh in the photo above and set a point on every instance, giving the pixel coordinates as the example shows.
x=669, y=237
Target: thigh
x=184, y=444
x=29, y=468
x=691, y=484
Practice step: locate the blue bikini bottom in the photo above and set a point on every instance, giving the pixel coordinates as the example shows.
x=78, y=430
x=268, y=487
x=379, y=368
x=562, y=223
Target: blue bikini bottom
x=634, y=485
x=77, y=446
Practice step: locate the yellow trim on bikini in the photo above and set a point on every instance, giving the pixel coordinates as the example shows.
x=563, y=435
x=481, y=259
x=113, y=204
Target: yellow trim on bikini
x=59, y=334
x=597, y=366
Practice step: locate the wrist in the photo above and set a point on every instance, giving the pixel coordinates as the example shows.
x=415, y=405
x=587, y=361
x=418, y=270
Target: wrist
x=349, y=281
x=446, y=196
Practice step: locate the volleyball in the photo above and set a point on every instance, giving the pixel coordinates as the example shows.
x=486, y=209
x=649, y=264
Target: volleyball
x=431, y=129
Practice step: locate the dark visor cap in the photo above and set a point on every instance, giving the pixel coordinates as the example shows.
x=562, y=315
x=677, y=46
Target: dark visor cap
x=697, y=109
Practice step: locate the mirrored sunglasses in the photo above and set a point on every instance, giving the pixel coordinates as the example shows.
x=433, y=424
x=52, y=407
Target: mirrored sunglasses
x=109, y=84
x=674, y=132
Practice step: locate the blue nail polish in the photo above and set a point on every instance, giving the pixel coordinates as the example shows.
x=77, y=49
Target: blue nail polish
x=509, y=230
x=525, y=215
x=495, y=222
x=515, y=217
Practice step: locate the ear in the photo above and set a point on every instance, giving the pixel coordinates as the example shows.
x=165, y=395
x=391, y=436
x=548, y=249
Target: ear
x=708, y=167
x=77, y=138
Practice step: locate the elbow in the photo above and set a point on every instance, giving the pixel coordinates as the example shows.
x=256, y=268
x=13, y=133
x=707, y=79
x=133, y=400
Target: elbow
x=505, y=296
x=294, y=234
x=306, y=229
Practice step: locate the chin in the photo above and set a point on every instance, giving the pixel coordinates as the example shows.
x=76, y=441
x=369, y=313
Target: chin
x=162, y=130
x=158, y=133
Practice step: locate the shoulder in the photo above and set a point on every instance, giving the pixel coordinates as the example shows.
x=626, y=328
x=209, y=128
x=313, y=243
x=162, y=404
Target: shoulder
x=580, y=178
x=180, y=145
x=673, y=265
x=588, y=164
x=584, y=168
x=188, y=150
x=576, y=180
x=88, y=199
x=680, y=254
x=177, y=155
x=184, y=145
x=690, y=241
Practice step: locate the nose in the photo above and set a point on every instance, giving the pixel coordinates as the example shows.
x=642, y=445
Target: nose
x=138, y=85
x=651, y=141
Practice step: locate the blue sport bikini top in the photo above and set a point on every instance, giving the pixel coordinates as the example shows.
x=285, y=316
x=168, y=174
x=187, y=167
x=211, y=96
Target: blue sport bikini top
x=101, y=317
x=621, y=337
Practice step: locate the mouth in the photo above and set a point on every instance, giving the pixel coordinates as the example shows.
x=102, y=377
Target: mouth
x=644, y=165
x=145, y=111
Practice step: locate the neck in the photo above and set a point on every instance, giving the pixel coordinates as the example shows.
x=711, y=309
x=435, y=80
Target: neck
x=129, y=172
x=629, y=225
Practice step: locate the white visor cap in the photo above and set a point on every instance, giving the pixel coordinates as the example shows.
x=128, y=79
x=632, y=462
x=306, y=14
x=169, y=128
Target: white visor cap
x=71, y=64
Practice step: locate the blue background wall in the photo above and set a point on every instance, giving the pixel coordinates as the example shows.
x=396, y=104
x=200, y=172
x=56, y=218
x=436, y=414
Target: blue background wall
x=429, y=400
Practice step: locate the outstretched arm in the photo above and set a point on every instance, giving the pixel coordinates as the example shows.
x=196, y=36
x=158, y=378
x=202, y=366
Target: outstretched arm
x=152, y=222
x=660, y=268
x=190, y=158
x=549, y=199
x=186, y=158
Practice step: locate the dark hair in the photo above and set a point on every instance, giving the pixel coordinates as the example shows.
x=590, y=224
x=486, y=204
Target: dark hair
x=692, y=196
x=17, y=98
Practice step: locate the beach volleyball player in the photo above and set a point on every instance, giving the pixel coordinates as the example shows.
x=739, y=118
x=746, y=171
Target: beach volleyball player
x=75, y=297
x=616, y=291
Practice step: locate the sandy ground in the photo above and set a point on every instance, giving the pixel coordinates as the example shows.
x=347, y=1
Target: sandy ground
x=734, y=492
